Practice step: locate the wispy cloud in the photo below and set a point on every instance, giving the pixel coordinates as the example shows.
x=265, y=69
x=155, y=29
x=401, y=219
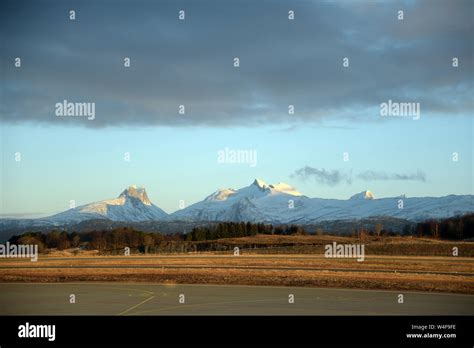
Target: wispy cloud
x=370, y=175
x=336, y=177
x=323, y=176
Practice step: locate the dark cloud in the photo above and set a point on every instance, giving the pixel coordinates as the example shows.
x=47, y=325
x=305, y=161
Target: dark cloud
x=190, y=62
x=371, y=175
x=322, y=176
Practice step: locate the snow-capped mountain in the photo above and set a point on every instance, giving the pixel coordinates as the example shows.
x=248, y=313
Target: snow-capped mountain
x=132, y=204
x=363, y=195
x=258, y=202
x=281, y=203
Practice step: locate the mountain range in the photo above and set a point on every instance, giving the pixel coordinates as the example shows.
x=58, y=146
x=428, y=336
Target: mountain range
x=259, y=202
x=283, y=204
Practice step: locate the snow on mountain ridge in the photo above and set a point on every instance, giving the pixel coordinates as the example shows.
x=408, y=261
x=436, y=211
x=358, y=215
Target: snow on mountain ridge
x=267, y=203
x=220, y=195
x=136, y=192
x=132, y=204
x=285, y=188
x=281, y=203
x=363, y=195
x=260, y=183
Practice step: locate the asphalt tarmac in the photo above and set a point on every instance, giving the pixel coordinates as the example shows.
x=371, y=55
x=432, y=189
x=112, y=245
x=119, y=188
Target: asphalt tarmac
x=178, y=299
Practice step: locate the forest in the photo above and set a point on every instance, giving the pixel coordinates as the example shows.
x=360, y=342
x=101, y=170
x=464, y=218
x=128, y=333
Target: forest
x=455, y=228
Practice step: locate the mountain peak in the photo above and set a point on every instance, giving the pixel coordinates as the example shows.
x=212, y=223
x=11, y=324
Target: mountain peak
x=136, y=192
x=285, y=188
x=260, y=183
x=132, y=204
x=220, y=195
x=363, y=195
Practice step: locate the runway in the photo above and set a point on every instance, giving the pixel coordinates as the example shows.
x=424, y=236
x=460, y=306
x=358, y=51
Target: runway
x=179, y=299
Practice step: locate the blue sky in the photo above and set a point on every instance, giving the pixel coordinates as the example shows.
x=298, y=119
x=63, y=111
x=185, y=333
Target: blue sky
x=191, y=63
x=63, y=163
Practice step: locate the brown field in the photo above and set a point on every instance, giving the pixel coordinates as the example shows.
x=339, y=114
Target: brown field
x=390, y=264
x=314, y=244
x=160, y=274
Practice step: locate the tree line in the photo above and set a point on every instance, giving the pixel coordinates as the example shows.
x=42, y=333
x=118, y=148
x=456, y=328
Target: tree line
x=106, y=240
x=458, y=227
x=240, y=229
x=125, y=237
x=455, y=228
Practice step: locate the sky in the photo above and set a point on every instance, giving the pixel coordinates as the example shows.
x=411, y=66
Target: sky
x=190, y=62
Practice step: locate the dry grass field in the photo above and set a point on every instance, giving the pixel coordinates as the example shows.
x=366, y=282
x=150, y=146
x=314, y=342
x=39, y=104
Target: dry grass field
x=391, y=263
x=384, y=245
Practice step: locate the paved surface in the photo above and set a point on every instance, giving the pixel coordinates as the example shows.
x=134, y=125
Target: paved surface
x=159, y=299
